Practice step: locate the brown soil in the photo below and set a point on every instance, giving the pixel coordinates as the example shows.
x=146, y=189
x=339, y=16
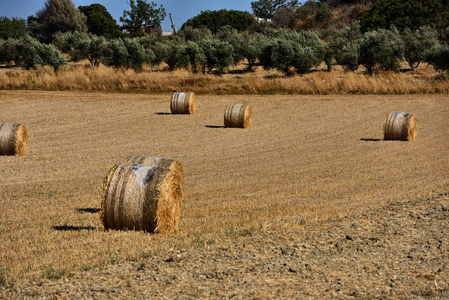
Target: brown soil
x=399, y=252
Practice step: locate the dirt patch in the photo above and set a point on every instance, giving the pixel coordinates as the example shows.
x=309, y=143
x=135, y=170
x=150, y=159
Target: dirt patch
x=401, y=251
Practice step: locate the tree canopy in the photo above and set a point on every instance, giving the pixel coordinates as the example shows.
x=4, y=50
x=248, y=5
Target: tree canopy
x=265, y=9
x=12, y=28
x=100, y=21
x=403, y=14
x=56, y=15
x=214, y=20
x=143, y=14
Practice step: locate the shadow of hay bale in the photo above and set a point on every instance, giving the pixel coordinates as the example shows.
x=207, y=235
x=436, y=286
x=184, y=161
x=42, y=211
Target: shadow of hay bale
x=72, y=228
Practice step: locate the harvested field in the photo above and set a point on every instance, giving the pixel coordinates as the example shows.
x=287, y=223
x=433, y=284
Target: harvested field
x=309, y=165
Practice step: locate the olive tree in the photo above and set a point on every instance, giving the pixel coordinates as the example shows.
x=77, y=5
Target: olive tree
x=345, y=46
x=416, y=43
x=219, y=55
x=383, y=49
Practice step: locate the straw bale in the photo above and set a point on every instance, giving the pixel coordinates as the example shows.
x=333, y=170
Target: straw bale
x=183, y=103
x=400, y=126
x=159, y=162
x=141, y=197
x=238, y=115
x=13, y=139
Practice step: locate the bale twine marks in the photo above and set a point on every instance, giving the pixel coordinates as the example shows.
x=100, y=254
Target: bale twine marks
x=400, y=126
x=238, y=115
x=165, y=163
x=141, y=197
x=183, y=103
x=13, y=139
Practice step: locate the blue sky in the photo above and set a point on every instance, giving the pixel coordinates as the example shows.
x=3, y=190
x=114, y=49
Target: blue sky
x=181, y=10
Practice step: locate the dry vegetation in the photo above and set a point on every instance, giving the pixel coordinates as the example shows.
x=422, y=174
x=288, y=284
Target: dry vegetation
x=307, y=159
x=319, y=82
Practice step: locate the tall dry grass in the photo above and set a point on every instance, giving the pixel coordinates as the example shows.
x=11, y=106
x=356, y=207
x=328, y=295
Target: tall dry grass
x=82, y=77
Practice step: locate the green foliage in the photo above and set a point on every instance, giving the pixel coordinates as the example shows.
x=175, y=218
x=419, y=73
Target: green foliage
x=81, y=45
x=137, y=54
x=218, y=54
x=116, y=54
x=265, y=9
x=12, y=28
x=57, y=15
x=214, y=20
x=188, y=33
x=230, y=35
x=416, y=43
x=128, y=53
x=345, y=46
x=193, y=57
x=100, y=21
x=174, y=57
x=438, y=56
x=157, y=45
x=253, y=47
x=28, y=53
x=383, y=49
x=403, y=14
x=292, y=50
x=143, y=14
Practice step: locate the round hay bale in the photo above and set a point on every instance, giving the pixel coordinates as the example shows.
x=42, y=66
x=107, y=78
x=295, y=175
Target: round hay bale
x=238, y=115
x=140, y=197
x=400, y=126
x=183, y=103
x=13, y=139
x=159, y=162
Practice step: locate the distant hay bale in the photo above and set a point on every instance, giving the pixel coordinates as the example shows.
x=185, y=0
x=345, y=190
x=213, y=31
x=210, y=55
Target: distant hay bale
x=400, y=126
x=159, y=162
x=238, y=115
x=183, y=103
x=13, y=139
x=141, y=197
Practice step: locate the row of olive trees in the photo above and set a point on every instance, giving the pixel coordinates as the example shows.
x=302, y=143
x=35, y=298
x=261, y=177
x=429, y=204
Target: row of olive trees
x=27, y=52
x=201, y=51
x=386, y=49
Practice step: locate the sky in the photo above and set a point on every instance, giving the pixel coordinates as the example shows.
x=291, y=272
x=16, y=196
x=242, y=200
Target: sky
x=181, y=10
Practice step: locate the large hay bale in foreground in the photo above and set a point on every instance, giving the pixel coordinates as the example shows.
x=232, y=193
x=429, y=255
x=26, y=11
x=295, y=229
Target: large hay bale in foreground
x=183, y=103
x=159, y=162
x=400, y=126
x=13, y=139
x=238, y=115
x=141, y=197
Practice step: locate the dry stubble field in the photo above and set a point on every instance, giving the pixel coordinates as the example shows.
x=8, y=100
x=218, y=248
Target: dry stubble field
x=309, y=169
